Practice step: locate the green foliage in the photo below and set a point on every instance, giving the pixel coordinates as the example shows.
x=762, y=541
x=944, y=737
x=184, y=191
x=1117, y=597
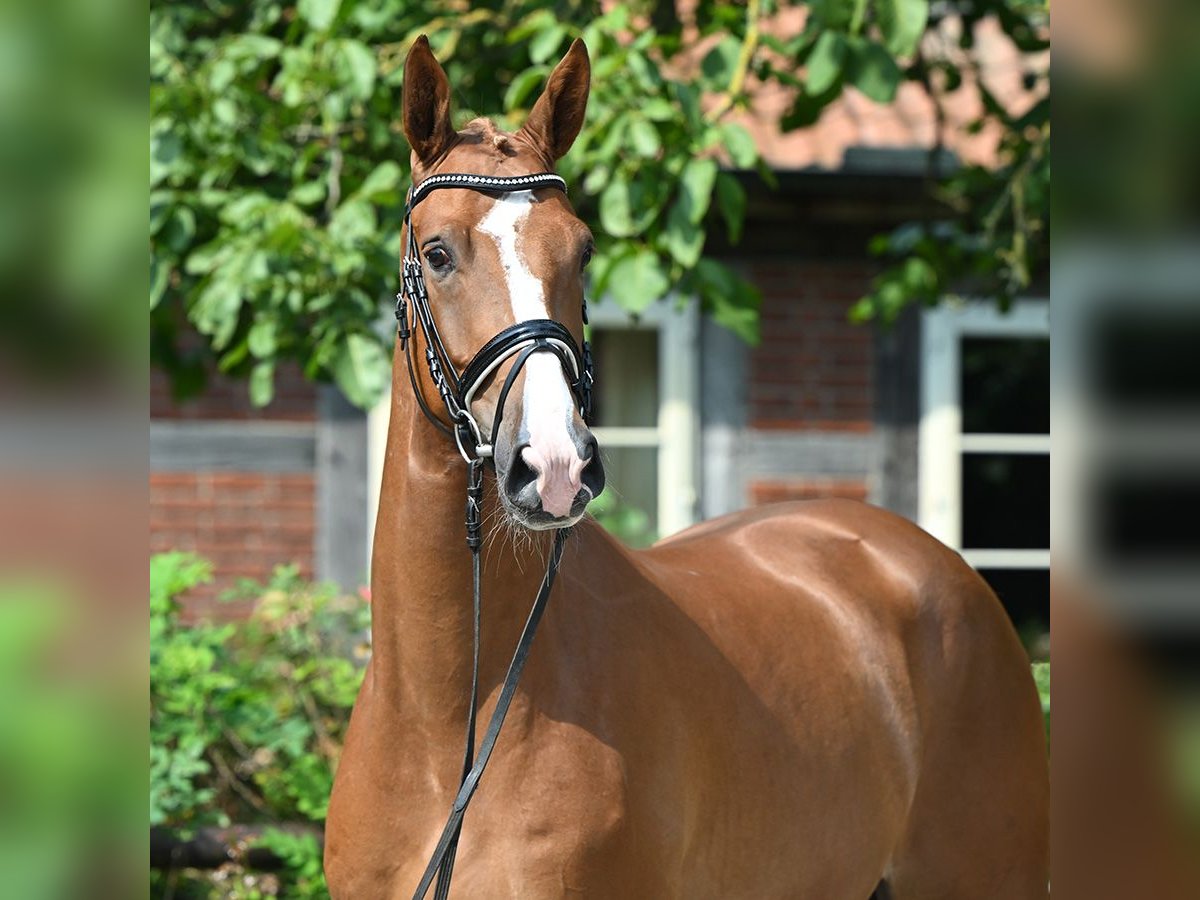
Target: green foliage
x=987, y=232
x=1041, y=677
x=278, y=164
x=247, y=720
x=278, y=168
x=627, y=522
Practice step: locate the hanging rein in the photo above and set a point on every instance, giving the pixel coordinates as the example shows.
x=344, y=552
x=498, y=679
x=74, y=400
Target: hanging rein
x=521, y=340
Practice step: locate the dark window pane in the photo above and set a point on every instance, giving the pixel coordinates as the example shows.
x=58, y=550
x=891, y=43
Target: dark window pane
x=1006, y=385
x=1025, y=594
x=626, y=376
x=1147, y=358
x=1006, y=501
x=1148, y=515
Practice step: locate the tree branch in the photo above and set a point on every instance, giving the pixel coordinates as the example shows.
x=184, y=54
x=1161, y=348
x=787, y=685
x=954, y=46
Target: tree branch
x=742, y=67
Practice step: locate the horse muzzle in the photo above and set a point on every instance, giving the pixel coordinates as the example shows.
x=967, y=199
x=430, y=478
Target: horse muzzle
x=550, y=486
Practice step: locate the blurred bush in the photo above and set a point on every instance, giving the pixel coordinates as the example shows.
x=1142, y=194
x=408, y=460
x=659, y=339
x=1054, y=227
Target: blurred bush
x=247, y=721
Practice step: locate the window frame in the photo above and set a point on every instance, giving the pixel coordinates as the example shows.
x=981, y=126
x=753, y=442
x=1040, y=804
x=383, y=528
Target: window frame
x=941, y=440
x=677, y=430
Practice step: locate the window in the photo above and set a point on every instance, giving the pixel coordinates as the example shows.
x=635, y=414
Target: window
x=985, y=446
x=647, y=420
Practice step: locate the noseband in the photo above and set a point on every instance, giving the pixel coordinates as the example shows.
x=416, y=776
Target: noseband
x=521, y=340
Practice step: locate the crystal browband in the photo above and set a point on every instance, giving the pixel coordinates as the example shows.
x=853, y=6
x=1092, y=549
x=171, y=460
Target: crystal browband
x=483, y=183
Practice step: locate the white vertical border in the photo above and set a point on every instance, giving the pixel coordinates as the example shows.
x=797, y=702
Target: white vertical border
x=939, y=450
x=378, y=419
x=678, y=417
x=939, y=491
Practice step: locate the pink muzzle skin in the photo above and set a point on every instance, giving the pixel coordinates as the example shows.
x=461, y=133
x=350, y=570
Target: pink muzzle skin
x=559, y=477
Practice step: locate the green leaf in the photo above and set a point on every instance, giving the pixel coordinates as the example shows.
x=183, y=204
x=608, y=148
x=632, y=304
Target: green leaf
x=308, y=193
x=221, y=75
x=596, y=179
x=637, y=281
x=353, y=221
x=262, y=338
x=216, y=311
x=731, y=200
x=318, y=13
x=740, y=144
x=643, y=138
x=695, y=188
x=205, y=259
x=381, y=182
x=902, y=23
x=360, y=67
x=160, y=277
x=683, y=238
x=616, y=211
x=832, y=13
x=720, y=62
x=262, y=383
x=166, y=151
x=361, y=368
x=644, y=71
x=522, y=86
x=546, y=43
x=825, y=62
x=731, y=301
x=688, y=98
x=657, y=109
x=873, y=71
x=225, y=111
x=254, y=46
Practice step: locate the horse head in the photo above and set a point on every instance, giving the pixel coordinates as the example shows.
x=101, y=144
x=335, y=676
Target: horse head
x=492, y=260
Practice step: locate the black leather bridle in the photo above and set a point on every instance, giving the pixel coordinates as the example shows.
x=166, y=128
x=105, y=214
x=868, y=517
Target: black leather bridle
x=521, y=340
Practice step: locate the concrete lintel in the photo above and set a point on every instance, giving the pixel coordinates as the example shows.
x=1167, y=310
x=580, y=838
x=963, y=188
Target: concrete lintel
x=809, y=454
x=238, y=446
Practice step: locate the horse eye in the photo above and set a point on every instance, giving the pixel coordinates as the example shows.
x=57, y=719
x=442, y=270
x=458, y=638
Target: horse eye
x=437, y=257
x=588, y=252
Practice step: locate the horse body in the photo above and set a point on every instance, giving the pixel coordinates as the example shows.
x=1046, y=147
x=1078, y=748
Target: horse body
x=789, y=702
x=795, y=701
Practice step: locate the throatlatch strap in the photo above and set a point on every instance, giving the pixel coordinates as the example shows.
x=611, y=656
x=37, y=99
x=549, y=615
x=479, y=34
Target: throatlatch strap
x=521, y=654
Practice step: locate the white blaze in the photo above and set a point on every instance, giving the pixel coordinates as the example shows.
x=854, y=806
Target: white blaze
x=546, y=402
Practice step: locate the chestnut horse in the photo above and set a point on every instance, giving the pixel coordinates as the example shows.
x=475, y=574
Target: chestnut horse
x=809, y=700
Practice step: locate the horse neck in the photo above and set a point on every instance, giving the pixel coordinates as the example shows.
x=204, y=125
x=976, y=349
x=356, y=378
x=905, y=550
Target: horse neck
x=421, y=585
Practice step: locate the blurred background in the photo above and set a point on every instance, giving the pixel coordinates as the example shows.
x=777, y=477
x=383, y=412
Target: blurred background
x=823, y=269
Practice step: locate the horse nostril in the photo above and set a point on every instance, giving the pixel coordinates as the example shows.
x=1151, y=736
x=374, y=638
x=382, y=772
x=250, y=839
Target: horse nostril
x=520, y=474
x=593, y=470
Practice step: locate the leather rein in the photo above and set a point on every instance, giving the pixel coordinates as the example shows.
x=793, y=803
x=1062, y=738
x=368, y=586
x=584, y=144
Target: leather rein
x=457, y=392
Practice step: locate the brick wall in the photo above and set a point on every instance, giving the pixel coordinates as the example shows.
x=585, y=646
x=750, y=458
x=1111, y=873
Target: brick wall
x=228, y=398
x=248, y=521
x=813, y=370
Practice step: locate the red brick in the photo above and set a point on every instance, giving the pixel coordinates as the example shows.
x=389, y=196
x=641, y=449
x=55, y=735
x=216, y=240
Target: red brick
x=777, y=491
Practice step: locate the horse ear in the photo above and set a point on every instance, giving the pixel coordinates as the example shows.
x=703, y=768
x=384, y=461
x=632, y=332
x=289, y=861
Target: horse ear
x=556, y=118
x=426, y=103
